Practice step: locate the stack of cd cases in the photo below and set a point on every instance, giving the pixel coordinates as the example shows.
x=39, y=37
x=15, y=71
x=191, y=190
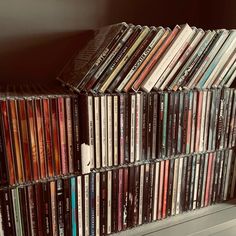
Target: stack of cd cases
x=143, y=128
x=134, y=127
x=38, y=134
x=110, y=200
x=125, y=57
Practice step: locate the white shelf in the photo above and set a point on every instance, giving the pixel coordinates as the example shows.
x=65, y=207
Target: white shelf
x=219, y=219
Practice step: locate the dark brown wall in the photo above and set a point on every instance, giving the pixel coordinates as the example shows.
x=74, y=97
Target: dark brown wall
x=201, y=13
x=37, y=36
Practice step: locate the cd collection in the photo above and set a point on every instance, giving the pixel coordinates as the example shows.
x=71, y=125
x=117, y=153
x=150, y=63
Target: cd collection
x=44, y=135
x=126, y=128
x=125, y=58
x=147, y=130
x=38, y=136
x=106, y=202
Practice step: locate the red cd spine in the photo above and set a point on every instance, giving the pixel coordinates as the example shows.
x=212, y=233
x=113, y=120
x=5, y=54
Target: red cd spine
x=33, y=141
x=62, y=123
x=25, y=139
x=165, y=189
x=41, y=138
x=16, y=140
x=48, y=136
x=6, y=143
x=208, y=181
x=55, y=136
x=160, y=196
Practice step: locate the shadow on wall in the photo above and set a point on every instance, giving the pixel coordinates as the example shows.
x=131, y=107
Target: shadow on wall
x=38, y=37
x=39, y=57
